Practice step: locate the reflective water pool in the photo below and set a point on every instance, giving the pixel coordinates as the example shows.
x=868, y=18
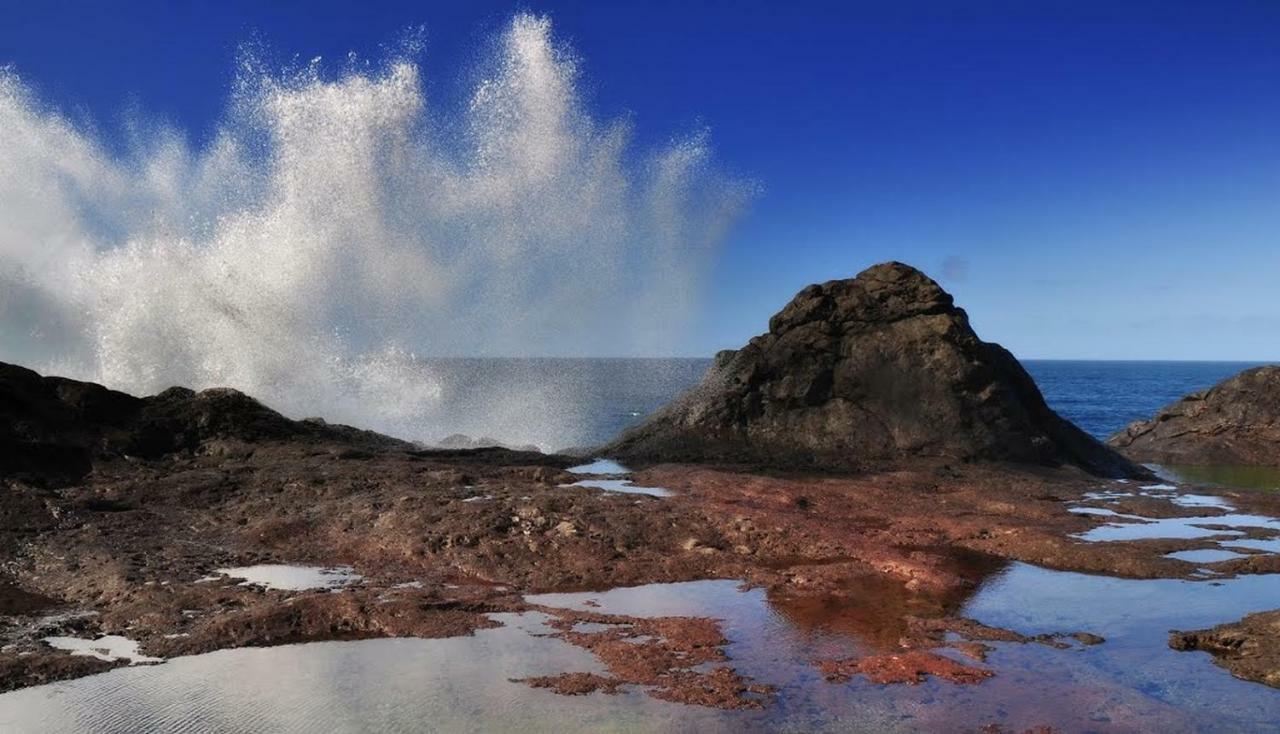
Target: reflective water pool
x=293, y=578
x=1132, y=682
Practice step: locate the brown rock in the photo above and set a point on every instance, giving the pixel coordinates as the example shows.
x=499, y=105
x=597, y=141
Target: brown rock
x=52, y=428
x=1250, y=648
x=1236, y=422
x=867, y=370
x=908, y=668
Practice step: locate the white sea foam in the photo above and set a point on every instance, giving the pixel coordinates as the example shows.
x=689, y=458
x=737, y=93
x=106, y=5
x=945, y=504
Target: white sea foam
x=336, y=225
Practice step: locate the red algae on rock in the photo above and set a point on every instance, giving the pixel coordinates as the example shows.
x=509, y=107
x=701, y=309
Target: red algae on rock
x=575, y=684
x=659, y=654
x=916, y=661
x=910, y=668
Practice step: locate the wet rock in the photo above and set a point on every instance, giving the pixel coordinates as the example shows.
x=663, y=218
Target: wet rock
x=667, y=656
x=1236, y=422
x=574, y=684
x=1250, y=648
x=908, y=668
x=866, y=371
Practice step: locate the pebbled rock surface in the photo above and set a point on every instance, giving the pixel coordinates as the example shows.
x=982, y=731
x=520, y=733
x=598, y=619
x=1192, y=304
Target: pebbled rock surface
x=1236, y=422
x=862, y=372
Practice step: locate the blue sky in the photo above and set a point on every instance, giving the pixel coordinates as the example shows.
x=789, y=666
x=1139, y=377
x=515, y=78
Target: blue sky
x=1092, y=180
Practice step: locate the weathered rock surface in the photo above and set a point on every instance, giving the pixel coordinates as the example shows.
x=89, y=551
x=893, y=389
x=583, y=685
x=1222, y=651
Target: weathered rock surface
x=1250, y=648
x=1236, y=422
x=860, y=372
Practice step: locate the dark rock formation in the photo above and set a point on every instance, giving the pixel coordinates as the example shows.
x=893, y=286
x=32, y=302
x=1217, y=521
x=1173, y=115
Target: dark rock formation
x=860, y=372
x=52, y=428
x=1236, y=422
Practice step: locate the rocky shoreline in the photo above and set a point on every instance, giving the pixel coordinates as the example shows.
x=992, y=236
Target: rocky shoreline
x=122, y=514
x=1234, y=423
x=442, y=539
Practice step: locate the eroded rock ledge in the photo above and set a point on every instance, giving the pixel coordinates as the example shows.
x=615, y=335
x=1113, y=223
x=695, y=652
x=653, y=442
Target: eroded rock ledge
x=1250, y=648
x=1236, y=422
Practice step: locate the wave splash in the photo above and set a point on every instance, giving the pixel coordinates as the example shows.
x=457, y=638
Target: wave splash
x=336, y=227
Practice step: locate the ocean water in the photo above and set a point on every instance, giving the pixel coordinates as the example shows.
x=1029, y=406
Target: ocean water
x=1104, y=397
x=601, y=397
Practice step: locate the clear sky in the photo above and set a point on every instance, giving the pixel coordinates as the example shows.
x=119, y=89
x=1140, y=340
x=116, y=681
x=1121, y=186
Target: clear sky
x=1091, y=179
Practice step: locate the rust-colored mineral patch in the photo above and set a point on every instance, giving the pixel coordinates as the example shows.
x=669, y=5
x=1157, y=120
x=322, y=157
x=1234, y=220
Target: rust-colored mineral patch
x=574, y=684
x=659, y=654
x=909, y=668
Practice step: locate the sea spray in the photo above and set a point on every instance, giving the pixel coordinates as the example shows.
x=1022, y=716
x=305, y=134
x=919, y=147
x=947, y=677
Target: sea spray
x=334, y=229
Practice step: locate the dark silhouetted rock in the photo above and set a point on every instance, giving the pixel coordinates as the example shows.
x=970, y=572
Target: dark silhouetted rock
x=52, y=428
x=1236, y=422
x=863, y=372
x=463, y=441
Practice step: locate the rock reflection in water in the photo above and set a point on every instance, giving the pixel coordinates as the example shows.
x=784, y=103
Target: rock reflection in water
x=871, y=610
x=1133, y=682
x=1239, y=477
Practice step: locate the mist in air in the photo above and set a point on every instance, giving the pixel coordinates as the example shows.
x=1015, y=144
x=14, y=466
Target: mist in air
x=336, y=231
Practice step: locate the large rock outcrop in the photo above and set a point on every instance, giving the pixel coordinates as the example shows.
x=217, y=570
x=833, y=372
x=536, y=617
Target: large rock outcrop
x=52, y=428
x=1236, y=422
x=863, y=372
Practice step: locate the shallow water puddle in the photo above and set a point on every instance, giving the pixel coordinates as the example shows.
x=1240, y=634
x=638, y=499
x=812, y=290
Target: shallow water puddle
x=1201, y=500
x=600, y=466
x=1175, y=528
x=1132, y=682
x=608, y=476
x=108, y=647
x=1205, y=555
x=621, y=485
x=1270, y=546
x=1137, y=527
x=1241, y=477
x=294, y=578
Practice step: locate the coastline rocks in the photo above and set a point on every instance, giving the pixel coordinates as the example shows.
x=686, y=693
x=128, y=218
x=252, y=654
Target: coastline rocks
x=1249, y=649
x=1236, y=422
x=53, y=428
x=865, y=371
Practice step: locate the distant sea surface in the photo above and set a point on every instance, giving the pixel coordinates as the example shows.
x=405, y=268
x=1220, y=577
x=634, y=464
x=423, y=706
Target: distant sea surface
x=1100, y=397
x=1103, y=397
